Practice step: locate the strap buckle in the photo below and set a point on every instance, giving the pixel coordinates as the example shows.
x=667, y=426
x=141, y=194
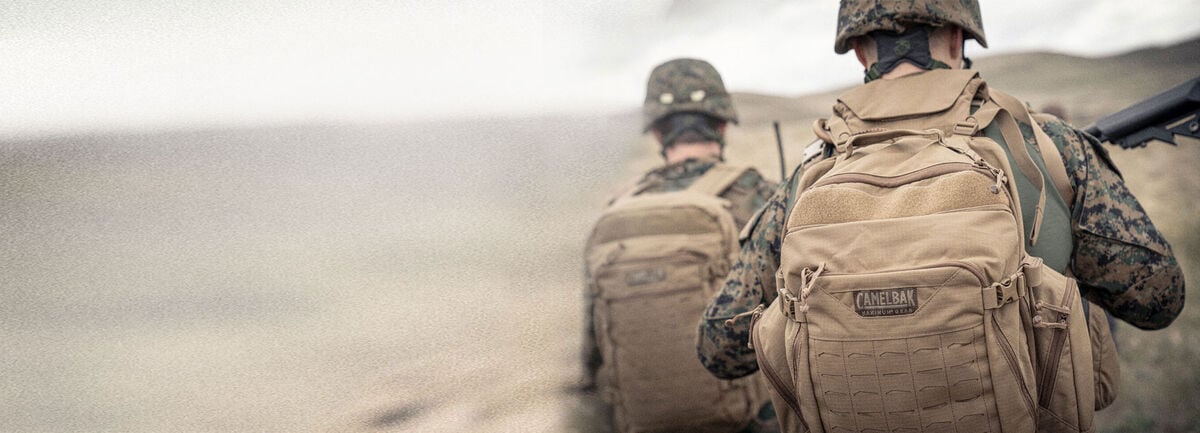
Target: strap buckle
x=791, y=306
x=1004, y=291
x=967, y=128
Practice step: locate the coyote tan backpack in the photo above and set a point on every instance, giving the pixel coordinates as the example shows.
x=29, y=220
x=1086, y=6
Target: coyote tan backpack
x=656, y=259
x=907, y=300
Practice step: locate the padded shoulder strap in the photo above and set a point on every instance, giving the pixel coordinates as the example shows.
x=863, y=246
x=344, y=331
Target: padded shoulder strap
x=717, y=179
x=630, y=189
x=1055, y=167
x=1011, y=110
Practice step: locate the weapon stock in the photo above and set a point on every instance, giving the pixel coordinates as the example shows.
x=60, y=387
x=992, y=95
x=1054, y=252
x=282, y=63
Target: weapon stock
x=1167, y=117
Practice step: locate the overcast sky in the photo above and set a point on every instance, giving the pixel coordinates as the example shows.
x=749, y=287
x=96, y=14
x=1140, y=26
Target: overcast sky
x=75, y=66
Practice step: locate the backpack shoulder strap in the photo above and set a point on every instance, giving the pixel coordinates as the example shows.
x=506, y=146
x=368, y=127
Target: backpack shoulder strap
x=1055, y=166
x=1012, y=109
x=629, y=189
x=717, y=179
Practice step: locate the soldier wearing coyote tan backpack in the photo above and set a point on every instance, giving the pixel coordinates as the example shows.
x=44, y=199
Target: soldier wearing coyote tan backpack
x=913, y=279
x=658, y=253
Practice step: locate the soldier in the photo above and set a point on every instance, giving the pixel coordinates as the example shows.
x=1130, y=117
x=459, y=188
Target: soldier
x=646, y=247
x=1120, y=259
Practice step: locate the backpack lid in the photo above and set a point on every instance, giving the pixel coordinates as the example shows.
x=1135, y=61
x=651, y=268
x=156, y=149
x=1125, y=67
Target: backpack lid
x=919, y=94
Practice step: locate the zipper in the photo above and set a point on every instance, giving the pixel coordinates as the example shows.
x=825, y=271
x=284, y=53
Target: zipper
x=970, y=267
x=769, y=371
x=894, y=181
x=941, y=169
x=1050, y=374
x=1011, y=356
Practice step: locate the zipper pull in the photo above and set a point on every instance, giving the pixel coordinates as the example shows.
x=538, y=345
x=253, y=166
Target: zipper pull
x=757, y=311
x=1001, y=179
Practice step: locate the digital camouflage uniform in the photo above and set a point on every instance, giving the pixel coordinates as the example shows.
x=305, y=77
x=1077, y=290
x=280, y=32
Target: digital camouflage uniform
x=1120, y=259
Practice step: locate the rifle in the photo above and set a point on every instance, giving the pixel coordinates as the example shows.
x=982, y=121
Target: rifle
x=1169, y=116
x=779, y=145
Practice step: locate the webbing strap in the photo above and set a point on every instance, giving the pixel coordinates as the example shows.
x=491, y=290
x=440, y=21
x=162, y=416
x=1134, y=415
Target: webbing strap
x=717, y=179
x=630, y=190
x=1016, y=145
x=1055, y=166
x=981, y=119
x=839, y=131
x=1054, y=163
x=1052, y=158
x=1001, y=293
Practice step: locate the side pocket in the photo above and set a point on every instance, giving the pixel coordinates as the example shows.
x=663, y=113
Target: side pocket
x=1066, y=379
x=1105, y=362
x=767, y=335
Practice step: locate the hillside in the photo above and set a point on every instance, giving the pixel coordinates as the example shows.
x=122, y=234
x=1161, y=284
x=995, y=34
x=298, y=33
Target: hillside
x=1086, y=87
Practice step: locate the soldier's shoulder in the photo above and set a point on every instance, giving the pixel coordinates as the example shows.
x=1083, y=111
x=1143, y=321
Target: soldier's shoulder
x=1074, y=142
x=1054, y=126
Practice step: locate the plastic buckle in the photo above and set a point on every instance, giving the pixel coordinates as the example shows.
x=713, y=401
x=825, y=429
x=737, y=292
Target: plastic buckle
x=967, y=128
x=785, y=306
x=1004, y=291
x=791, y=307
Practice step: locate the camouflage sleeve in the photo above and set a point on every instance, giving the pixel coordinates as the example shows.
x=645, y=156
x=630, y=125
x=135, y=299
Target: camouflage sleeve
x=748, y=194
x=1121, y=260
x=751, y=281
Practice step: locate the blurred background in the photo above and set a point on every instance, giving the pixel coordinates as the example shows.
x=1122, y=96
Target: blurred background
x=311, y=216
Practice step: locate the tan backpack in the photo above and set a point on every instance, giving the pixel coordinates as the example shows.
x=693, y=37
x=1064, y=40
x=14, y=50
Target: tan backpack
x=907, y=302
x=656, y=259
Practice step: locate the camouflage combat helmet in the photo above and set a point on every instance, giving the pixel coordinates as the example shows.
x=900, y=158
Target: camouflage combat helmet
x=686, y=85
x=860, y=17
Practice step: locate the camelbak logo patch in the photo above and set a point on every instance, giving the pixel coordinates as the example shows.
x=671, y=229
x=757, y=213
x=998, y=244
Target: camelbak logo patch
x=887, y=302
x=640, y=277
